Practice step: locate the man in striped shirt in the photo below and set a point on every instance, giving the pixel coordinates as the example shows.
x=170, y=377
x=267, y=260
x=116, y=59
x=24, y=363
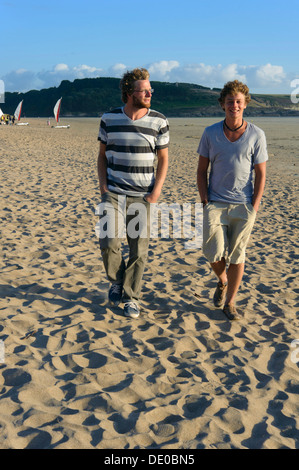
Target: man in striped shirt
x=130, y=138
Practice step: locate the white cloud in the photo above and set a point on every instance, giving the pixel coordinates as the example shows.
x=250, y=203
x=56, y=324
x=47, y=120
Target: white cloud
x=61, y=68
x=201, y=74
x=230, y=72
x=21, y=80
x=268, y=77
x=117, y=70
x=264, y=78
x=162, y=70
x=270, y=73
x=85, y=71
x=21, y=71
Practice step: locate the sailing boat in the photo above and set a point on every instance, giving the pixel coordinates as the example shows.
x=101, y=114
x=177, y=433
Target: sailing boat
x=56, y=114
x=17, y=115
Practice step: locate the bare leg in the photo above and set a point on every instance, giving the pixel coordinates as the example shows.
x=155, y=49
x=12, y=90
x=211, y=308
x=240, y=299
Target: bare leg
x=234, y=275
x=219, y=268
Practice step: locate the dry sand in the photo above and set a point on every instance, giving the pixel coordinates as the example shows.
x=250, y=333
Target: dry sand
x=77, y=373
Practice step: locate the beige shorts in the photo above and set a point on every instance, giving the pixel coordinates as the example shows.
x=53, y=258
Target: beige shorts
x=226, y=231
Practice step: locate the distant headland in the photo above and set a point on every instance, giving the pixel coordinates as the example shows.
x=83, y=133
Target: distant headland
x=91, y=97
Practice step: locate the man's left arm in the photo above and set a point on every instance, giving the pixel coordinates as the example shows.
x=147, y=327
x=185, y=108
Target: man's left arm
x=259, y=184
x=161, y=172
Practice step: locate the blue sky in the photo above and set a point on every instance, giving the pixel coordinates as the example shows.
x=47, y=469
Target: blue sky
x=204, y=42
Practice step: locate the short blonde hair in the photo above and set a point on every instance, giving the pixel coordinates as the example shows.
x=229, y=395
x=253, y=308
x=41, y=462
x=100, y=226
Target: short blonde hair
x=232, y=88
x=128, y=80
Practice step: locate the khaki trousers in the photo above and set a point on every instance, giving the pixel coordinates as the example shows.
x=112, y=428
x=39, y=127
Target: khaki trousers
x=125, y=217
x=226, y=231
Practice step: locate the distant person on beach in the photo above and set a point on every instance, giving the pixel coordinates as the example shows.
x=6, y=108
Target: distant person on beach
x=236, y=152
x=130, y=138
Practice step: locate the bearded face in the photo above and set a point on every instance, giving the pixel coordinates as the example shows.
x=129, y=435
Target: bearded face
x=142, y=95
x=140, y=102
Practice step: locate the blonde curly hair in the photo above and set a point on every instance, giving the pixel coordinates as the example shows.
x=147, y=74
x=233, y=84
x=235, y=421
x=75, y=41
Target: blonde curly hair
x=128, y=80
x=232, y=88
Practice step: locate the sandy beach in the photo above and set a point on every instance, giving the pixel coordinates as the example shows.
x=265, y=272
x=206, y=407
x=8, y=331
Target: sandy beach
x=76, y=374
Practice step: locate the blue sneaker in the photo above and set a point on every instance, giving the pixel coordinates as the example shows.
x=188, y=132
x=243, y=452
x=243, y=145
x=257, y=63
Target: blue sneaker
x=131, y=309
x=115, y=294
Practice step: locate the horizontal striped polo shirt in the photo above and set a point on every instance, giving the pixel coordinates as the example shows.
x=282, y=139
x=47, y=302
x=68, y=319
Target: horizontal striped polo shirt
x=131, y=149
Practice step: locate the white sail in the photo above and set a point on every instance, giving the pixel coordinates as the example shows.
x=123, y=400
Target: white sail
x=57, y=109
x=18, y=111
x=1, y=112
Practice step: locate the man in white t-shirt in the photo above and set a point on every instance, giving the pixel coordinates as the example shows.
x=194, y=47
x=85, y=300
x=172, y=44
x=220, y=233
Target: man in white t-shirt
x=235, y=152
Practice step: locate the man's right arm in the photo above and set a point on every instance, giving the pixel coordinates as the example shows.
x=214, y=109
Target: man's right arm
x=102, y=169
x=202, y=179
